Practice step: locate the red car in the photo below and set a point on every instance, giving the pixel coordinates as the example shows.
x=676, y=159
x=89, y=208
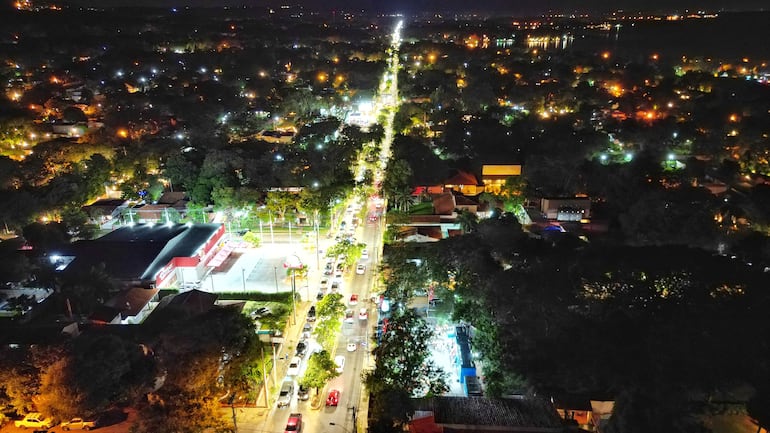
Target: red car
x=333, y=398
x=353, y=299
x=294, y=424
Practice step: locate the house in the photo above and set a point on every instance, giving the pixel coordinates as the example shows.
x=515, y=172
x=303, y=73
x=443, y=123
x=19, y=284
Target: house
x=133, y=304
x=574, y=409
x=465, y=183
x=102, y=211
x=601, y=411
x=566, y=208
x=481, y=414
x=162, y=210
x=493, y=176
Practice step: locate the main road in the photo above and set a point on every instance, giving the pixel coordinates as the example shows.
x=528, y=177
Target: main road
x=349, y=416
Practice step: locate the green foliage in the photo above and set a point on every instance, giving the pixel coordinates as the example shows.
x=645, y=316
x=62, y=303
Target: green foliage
x=89, y=289
x=351, y=251
x=97, y=372
x=329, y=312
x=281, y=202
x=253, y=239
x=320, y=369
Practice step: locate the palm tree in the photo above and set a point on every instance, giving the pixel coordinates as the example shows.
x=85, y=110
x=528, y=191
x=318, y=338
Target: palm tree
x=402, y=200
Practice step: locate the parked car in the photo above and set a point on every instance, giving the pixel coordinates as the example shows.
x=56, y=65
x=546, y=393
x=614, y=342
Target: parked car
x=363, y=314
x=311, y=314
x=34, y=420
x=303, y=393
x=360, y=269
x=260, y=312
x=293, y=366
x=320, y=295
x=294, y=423
x=365, y=254
x=334, y=398
x=353, y=299
x=336, y=286
x=78, y=424
x=339, y=361
x=285, y=394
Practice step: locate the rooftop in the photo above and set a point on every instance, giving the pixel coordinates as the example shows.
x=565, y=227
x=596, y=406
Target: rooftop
x=514, y=413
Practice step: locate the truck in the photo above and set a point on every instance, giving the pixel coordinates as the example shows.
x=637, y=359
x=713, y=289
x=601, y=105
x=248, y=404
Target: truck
x=34, y=420
x=78, y=424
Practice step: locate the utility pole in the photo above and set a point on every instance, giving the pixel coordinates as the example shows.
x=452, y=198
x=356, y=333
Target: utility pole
x=232, y=406
x=275, y=272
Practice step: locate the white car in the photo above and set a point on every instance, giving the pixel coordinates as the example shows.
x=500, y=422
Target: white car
x=365, y=255
x=294, y=366
x=352, y=346
x=349, y=316
x=339, y=361
x=363, y=314
x=360, y=269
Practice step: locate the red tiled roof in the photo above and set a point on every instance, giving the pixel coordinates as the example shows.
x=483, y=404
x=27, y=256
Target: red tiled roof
x=462, y=178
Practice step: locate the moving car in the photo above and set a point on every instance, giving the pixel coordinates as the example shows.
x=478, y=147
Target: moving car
x=303, y=393
x=294, y=423
x=365, y=254
x=349, y=316
x=311, y=314
x=34, y=420
x=352, y=346
x=78, y=424
x=335, y=286
x=301, y=349
x=339, y=361
x=353, y=299
x=363, y=314
x=360, y=269
x=334, y=398
x=293, y=366
x=285, y=394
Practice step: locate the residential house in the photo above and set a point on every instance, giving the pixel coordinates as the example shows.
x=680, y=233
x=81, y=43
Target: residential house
x=481, y=414
x=566, y=208
x=493, y=176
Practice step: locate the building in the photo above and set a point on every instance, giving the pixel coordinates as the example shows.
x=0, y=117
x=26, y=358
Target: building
x=566, y=208
x=493, y=176
x=480, y=414
x=149, y=255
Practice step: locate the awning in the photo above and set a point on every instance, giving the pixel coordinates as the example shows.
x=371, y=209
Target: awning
x=222, y=255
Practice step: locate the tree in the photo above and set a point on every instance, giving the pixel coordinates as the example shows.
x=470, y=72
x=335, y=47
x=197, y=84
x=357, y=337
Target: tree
x=329, y=313
x=253, y=239
x=281, y=202
x=467, y=220
x=96, y=372
x=320, y=369
x=758, y=408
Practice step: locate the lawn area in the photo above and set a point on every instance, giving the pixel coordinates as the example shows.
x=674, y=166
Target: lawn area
x=424, y=208
x=275, y=319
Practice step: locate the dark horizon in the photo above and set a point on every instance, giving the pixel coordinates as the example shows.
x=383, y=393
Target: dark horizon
x=457, y=6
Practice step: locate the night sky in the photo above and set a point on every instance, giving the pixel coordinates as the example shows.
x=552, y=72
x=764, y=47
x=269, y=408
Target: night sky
x=513, y=6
